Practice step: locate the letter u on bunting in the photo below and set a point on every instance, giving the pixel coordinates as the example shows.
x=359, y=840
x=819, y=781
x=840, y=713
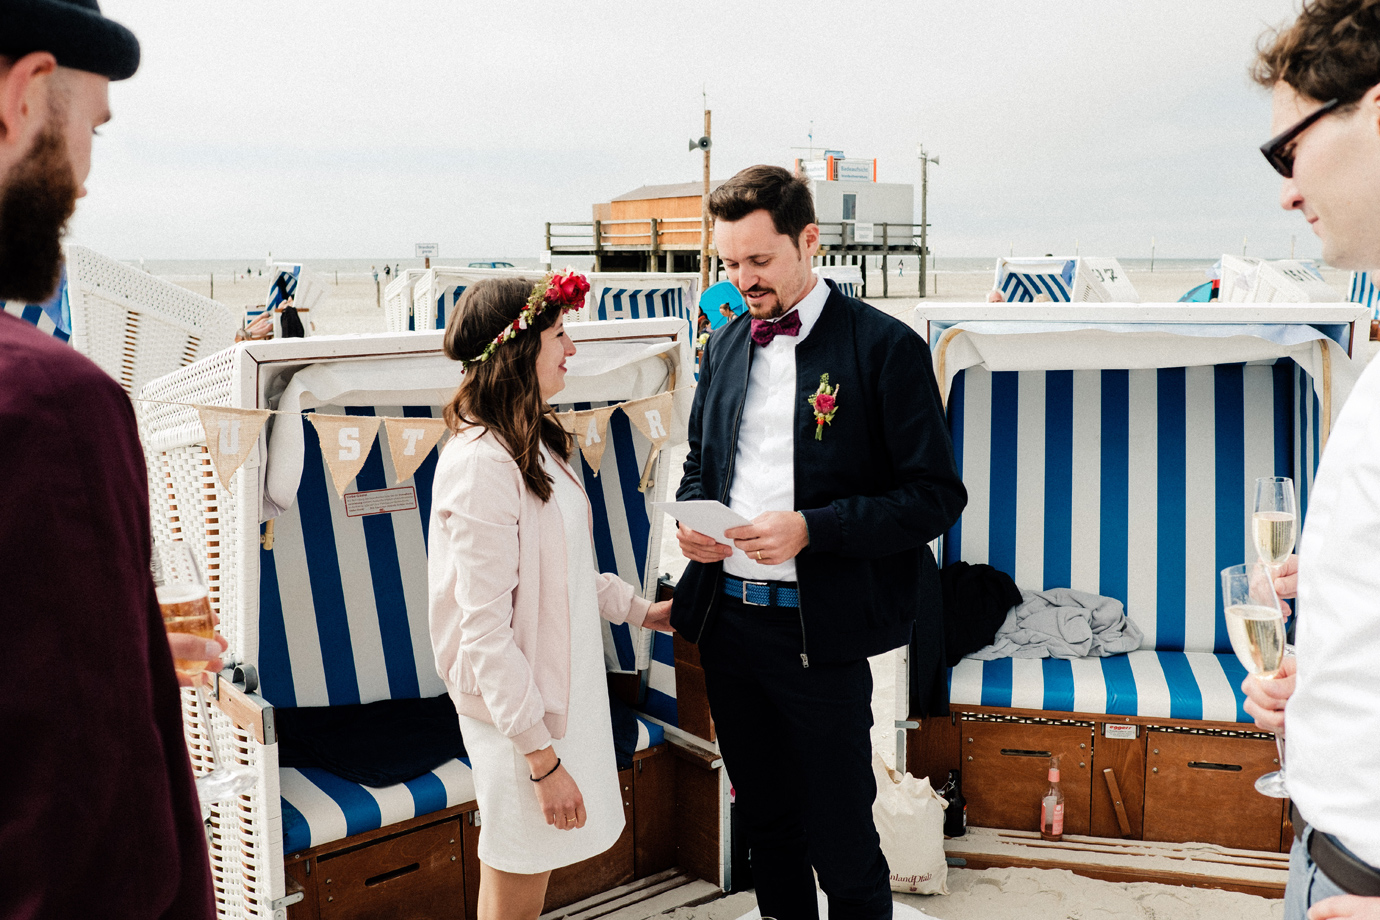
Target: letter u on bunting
x=230, y=436
x=410, y=440
x=652, y=416
x=591, y=430
x=345, y=444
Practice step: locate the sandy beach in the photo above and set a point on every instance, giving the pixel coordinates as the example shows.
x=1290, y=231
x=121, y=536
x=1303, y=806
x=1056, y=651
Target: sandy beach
x=994, y=894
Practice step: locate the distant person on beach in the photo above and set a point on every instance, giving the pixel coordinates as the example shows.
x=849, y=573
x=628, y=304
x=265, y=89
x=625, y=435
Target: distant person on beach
x=99, y=816
x=820, y=422
x=1324, y=73
x=387, y=271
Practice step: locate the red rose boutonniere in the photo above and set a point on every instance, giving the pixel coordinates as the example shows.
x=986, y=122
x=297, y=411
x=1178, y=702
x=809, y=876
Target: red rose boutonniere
x=825, y=404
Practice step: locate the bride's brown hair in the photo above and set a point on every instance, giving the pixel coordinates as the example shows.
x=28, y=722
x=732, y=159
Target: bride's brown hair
x=502, y=393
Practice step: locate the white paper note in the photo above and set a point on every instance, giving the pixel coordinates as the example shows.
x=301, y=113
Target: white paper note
x=707, y=516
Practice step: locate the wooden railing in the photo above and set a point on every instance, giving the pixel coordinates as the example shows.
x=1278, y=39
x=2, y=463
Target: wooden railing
x=683, y=233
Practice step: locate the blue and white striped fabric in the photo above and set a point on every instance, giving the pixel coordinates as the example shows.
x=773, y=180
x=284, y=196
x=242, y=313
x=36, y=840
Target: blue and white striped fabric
x=445, y=304
x=1024, y=287
x=646, y=303
x=1131, y=484
x=320, y=807
x=1150, y=684
x=289, y=274
x=1363, y=291
x=33, y=315
x=343, y=600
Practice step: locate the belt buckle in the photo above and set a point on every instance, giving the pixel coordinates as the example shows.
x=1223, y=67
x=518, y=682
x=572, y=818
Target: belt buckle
x=763, y=584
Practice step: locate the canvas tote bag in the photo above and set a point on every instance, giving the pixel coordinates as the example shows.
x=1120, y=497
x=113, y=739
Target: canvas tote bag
x=910, y=819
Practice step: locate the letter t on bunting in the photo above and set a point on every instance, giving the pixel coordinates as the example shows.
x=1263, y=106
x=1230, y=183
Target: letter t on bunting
x=345, y=444
x=652, y=416
x=410, y=440
x=230, y=436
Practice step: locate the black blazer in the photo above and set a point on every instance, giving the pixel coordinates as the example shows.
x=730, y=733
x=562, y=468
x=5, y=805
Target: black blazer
x=875, y=490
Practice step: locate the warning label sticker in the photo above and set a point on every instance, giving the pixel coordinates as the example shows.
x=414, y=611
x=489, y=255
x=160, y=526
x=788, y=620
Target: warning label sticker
x=380, y=501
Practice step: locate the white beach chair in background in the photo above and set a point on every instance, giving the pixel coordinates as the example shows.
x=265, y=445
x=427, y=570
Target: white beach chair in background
x=1363, y=291
x=1022, y=280
x=306, y=289
x=397, y=300
x=1101, y=280
x=1119, y=458
x=847, y=278
x=133, y=325
x=1247, y=280
x=323, y=607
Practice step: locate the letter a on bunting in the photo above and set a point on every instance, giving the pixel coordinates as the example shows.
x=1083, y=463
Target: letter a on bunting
x=345, y=444
x=230, y=436
x=410, y=440
x=591, y=429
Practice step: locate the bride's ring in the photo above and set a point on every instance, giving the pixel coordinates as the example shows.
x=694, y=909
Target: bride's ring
x=759, y=555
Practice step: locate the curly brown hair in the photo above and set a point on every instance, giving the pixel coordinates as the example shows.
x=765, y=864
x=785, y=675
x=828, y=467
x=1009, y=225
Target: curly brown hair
x=503, y=394
x=1332, y=51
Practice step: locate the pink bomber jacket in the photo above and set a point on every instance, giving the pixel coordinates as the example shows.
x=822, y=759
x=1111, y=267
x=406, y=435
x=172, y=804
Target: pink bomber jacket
x=499, y=608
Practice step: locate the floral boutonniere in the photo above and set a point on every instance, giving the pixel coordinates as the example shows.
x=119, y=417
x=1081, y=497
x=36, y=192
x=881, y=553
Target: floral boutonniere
x=825, y=404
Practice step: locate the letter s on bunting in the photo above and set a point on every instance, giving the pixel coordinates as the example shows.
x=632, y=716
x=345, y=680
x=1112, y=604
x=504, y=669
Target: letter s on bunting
x=352, y=437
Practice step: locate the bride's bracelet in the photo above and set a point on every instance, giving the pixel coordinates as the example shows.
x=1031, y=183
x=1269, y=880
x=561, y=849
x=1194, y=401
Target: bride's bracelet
x=537, y=779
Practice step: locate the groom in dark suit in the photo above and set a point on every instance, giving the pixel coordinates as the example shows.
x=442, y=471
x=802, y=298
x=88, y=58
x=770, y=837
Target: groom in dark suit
x=818, y=419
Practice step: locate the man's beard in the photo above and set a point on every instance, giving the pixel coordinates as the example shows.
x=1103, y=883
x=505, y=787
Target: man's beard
x=36, y=199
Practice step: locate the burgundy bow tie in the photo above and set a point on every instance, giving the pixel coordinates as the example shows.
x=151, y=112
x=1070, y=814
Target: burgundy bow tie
x=764, y=330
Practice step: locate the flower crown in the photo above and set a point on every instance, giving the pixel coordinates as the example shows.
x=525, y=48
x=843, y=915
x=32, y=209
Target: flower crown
x=566, y=290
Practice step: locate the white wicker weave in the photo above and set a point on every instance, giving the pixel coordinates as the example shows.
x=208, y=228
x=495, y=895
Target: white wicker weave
x=136, y=326
x=1101, y=280
x=189, y=503
x=397, y=300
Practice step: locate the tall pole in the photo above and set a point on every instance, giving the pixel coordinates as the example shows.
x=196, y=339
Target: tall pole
x=925, y=161
x=704, y=214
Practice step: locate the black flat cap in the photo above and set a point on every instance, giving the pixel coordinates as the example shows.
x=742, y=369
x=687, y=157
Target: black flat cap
x=73, y=31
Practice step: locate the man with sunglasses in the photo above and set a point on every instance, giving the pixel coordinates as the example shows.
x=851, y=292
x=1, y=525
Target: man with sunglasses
x=1324, y=73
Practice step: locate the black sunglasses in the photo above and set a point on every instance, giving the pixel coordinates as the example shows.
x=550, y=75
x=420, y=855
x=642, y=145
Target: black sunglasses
x=1277, y=149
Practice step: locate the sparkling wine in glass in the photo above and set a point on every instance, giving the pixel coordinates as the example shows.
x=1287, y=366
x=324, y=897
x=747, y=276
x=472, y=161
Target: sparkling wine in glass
x=1255, y=626
x=185, y=603
x=1275, y=521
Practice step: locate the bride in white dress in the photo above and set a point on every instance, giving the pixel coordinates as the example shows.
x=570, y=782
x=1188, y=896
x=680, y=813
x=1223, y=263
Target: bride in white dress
x=516, y=597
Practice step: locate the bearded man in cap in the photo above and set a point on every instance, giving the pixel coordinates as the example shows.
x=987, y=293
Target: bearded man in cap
x=99, y=816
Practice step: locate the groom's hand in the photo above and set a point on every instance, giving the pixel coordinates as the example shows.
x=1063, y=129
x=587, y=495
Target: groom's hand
x=698, y=547
x=772, y=538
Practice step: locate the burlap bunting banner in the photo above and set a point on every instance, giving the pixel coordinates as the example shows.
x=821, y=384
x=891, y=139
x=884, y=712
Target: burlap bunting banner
x=591, y=430
x=410, y=440
x=230, y=436
x=345, y=444
x=652, y=416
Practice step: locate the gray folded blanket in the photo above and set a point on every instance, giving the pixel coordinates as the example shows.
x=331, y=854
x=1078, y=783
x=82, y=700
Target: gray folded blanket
x=1063, y=623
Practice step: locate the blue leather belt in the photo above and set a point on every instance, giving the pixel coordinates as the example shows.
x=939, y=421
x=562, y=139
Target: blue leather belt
x=763, y=593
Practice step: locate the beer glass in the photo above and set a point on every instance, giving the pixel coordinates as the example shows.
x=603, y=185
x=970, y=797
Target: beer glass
x=1255, y=626
x=185, y=604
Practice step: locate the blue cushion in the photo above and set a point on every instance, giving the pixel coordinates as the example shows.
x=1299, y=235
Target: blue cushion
x=1151, y=684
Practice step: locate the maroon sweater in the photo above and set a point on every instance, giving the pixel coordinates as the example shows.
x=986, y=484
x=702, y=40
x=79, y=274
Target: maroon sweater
x=98, y=813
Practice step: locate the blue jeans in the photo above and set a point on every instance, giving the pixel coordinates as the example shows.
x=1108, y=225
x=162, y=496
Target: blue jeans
x=1307, y=883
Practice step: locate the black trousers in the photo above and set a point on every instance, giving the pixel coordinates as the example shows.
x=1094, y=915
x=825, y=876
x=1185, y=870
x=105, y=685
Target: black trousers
x=796, y=745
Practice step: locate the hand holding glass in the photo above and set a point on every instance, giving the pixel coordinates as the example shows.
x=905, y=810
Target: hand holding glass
x=1255, y=626
x=186, y=607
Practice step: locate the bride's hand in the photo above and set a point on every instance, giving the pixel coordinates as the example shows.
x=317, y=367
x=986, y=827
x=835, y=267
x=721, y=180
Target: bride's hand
x=659, y=617
x=557, y=794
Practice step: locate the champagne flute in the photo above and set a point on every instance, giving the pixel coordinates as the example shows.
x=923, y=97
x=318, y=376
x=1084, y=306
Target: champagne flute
x=1275, y=521
x=1255, y=626
x=185, y=604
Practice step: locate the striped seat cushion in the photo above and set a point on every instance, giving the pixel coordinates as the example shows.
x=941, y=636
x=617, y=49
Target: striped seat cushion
x=1150, y=684
x=320, y=807
x=1136, y=485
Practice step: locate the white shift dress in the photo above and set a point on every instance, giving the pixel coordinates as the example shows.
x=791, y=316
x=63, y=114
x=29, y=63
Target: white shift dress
x=513, y=835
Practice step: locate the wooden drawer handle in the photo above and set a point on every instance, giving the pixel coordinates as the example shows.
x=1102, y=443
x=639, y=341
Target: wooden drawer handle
x=1206, y=765
x=389, y=876
x=1016, y=752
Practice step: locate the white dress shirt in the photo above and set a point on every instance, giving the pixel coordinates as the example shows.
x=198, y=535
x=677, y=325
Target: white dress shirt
x=764, y=467
x=1332, y=722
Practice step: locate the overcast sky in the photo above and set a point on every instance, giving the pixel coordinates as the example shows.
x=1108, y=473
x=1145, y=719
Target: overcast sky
x=356, y=128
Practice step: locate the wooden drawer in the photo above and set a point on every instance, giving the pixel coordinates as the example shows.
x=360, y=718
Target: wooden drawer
x=415, y=875
x=1005, y=772
x=1202, y=788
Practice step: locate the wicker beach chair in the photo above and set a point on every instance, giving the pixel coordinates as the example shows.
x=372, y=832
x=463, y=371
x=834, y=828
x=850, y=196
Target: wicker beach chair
x=1114, y=450
x=847, y=278
x=326, y=605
